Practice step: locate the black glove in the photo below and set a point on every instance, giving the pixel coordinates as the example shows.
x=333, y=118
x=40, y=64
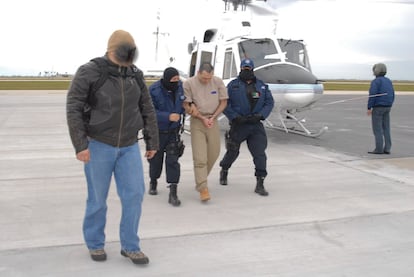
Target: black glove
x=254, y=118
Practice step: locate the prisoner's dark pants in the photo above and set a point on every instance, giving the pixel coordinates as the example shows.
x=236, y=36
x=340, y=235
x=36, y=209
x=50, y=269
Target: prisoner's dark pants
x=255, y=136
x=172, y=166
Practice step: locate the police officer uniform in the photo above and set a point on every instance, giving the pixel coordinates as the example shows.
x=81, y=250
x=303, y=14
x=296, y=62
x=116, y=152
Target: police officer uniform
x=250, y=101
x=167, y=98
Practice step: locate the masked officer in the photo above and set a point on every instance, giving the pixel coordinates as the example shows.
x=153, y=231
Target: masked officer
x=250, y=101
x=167, y=96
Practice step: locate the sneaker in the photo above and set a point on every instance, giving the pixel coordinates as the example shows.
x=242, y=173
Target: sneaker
x=204, y=195
x=97, y=255
x=137, y=257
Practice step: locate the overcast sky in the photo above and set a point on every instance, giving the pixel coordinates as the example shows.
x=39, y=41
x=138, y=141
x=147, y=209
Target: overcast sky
x=344, y=37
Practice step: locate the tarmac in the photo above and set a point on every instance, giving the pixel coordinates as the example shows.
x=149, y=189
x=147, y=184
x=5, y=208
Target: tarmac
x=328, y=213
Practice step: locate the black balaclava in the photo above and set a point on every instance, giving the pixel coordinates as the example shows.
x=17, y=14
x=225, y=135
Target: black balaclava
x=170, y=72
x=246, y=75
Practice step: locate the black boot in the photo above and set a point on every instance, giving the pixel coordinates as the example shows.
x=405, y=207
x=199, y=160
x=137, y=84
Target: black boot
x=223, y=177
x=173, y=198
x=153, y=187
x=260, y=188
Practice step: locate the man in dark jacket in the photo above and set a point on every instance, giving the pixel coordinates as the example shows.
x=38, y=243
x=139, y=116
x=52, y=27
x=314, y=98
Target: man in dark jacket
x=107, y=142
x=381, y=98
x=168, y=97
x=250, y=101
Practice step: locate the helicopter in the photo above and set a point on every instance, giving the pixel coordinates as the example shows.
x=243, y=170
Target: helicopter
x=248, y=30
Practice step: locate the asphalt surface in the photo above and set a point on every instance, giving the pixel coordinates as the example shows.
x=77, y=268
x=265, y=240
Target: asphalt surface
x=333, y=210
x=349, y=127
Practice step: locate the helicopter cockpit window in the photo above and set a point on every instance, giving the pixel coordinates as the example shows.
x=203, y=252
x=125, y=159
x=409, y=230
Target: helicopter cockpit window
x=229, y=67
x=261, y=51
x=295, y=52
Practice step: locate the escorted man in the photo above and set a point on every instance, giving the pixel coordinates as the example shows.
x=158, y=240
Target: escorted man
x=106, y=141
x=206, y=98
x=168, y=96
x=250, y=101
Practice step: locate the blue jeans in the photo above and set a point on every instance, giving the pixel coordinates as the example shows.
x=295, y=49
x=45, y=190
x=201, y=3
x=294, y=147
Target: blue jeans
x=126, y=165
x=381, y=128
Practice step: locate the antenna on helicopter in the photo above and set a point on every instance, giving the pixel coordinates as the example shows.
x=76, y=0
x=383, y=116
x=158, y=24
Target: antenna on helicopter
x=157, y=33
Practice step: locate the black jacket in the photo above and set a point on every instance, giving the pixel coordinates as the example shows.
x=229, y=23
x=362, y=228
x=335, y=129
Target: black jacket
x=121, y=108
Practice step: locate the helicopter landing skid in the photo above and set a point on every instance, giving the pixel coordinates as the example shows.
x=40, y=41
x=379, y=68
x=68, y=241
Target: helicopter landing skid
x=290, y=118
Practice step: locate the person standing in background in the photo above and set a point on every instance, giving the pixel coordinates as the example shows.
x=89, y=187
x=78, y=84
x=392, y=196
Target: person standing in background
x=380, y=102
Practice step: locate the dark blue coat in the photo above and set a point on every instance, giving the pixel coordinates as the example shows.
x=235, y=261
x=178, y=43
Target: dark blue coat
x=238, y=103
x=381, y=85
x=164, y=104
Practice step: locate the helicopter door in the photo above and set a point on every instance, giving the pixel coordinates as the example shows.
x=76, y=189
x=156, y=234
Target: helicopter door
x=229, y=67
x=205, y=52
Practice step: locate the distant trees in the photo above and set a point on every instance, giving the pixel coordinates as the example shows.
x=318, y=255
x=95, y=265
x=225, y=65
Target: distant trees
x=52, y=74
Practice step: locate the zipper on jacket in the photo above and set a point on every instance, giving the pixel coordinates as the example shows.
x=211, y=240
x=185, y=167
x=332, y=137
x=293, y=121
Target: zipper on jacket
x=121, y=80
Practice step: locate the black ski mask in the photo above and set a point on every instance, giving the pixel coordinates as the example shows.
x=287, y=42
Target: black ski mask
x=169, y=73
x=173, y=86
x=246, y=75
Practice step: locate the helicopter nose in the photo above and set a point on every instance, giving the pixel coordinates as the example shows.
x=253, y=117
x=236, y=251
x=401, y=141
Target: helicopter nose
x=282, y=73
x=300, y=99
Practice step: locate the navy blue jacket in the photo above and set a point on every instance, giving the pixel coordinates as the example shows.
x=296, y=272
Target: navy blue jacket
x=164, y=104
x=379, y=85
x=238, y=103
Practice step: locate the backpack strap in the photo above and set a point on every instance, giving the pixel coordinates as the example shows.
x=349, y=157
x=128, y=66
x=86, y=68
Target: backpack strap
x=139, y=77
x=103, y=69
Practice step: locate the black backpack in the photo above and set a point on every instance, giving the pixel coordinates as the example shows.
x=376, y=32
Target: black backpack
x=103, y=67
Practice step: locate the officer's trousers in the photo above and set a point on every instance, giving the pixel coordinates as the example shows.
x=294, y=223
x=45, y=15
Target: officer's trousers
x=172, y=166
x=255, y=136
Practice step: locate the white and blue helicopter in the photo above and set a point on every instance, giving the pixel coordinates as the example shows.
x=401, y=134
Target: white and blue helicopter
x=248, y=30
